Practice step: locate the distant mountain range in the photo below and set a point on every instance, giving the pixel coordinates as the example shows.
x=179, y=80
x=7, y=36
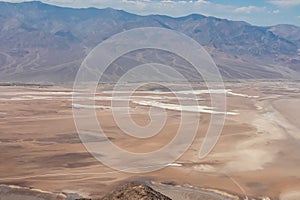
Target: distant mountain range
x=42, y=43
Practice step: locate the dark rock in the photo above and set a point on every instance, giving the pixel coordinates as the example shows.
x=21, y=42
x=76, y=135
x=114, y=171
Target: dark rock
x=135, y=191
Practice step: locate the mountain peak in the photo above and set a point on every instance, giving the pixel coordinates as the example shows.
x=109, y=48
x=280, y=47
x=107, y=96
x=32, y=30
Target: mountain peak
x=193, y=16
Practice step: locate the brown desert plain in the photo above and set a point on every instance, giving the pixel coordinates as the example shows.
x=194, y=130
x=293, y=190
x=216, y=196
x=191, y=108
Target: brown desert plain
x=256, y=156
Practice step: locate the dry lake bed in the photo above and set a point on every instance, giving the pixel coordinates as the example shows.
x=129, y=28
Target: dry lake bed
x=257, y=154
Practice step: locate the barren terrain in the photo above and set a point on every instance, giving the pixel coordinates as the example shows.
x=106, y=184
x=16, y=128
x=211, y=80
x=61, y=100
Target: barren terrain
x=257, y=154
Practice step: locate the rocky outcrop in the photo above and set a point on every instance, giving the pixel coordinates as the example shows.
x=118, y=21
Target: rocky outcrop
x=16, y=193
x=135, y=191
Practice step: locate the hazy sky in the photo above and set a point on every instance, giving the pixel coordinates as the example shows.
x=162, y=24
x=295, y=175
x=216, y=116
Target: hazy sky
x=259, y=12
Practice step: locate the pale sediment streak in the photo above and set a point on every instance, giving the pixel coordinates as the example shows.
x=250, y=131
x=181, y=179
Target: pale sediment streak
x=193, y=108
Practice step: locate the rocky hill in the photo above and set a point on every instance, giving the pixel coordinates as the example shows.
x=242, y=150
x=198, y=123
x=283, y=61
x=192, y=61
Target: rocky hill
x=135, y=191
x=129, y=191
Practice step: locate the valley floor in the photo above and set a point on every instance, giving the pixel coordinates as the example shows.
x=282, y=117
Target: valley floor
x=257, y=154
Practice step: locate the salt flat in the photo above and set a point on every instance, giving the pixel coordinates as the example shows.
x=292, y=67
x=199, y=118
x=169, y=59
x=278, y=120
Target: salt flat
x=257, y=154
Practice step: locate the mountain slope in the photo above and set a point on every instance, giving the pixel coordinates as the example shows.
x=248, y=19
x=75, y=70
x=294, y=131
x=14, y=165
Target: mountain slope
x=46, y=44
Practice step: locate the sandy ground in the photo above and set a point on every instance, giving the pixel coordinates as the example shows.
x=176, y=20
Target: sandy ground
x=257, y=154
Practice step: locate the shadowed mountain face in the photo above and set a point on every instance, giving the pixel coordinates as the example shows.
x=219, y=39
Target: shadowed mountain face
x=42, y=43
